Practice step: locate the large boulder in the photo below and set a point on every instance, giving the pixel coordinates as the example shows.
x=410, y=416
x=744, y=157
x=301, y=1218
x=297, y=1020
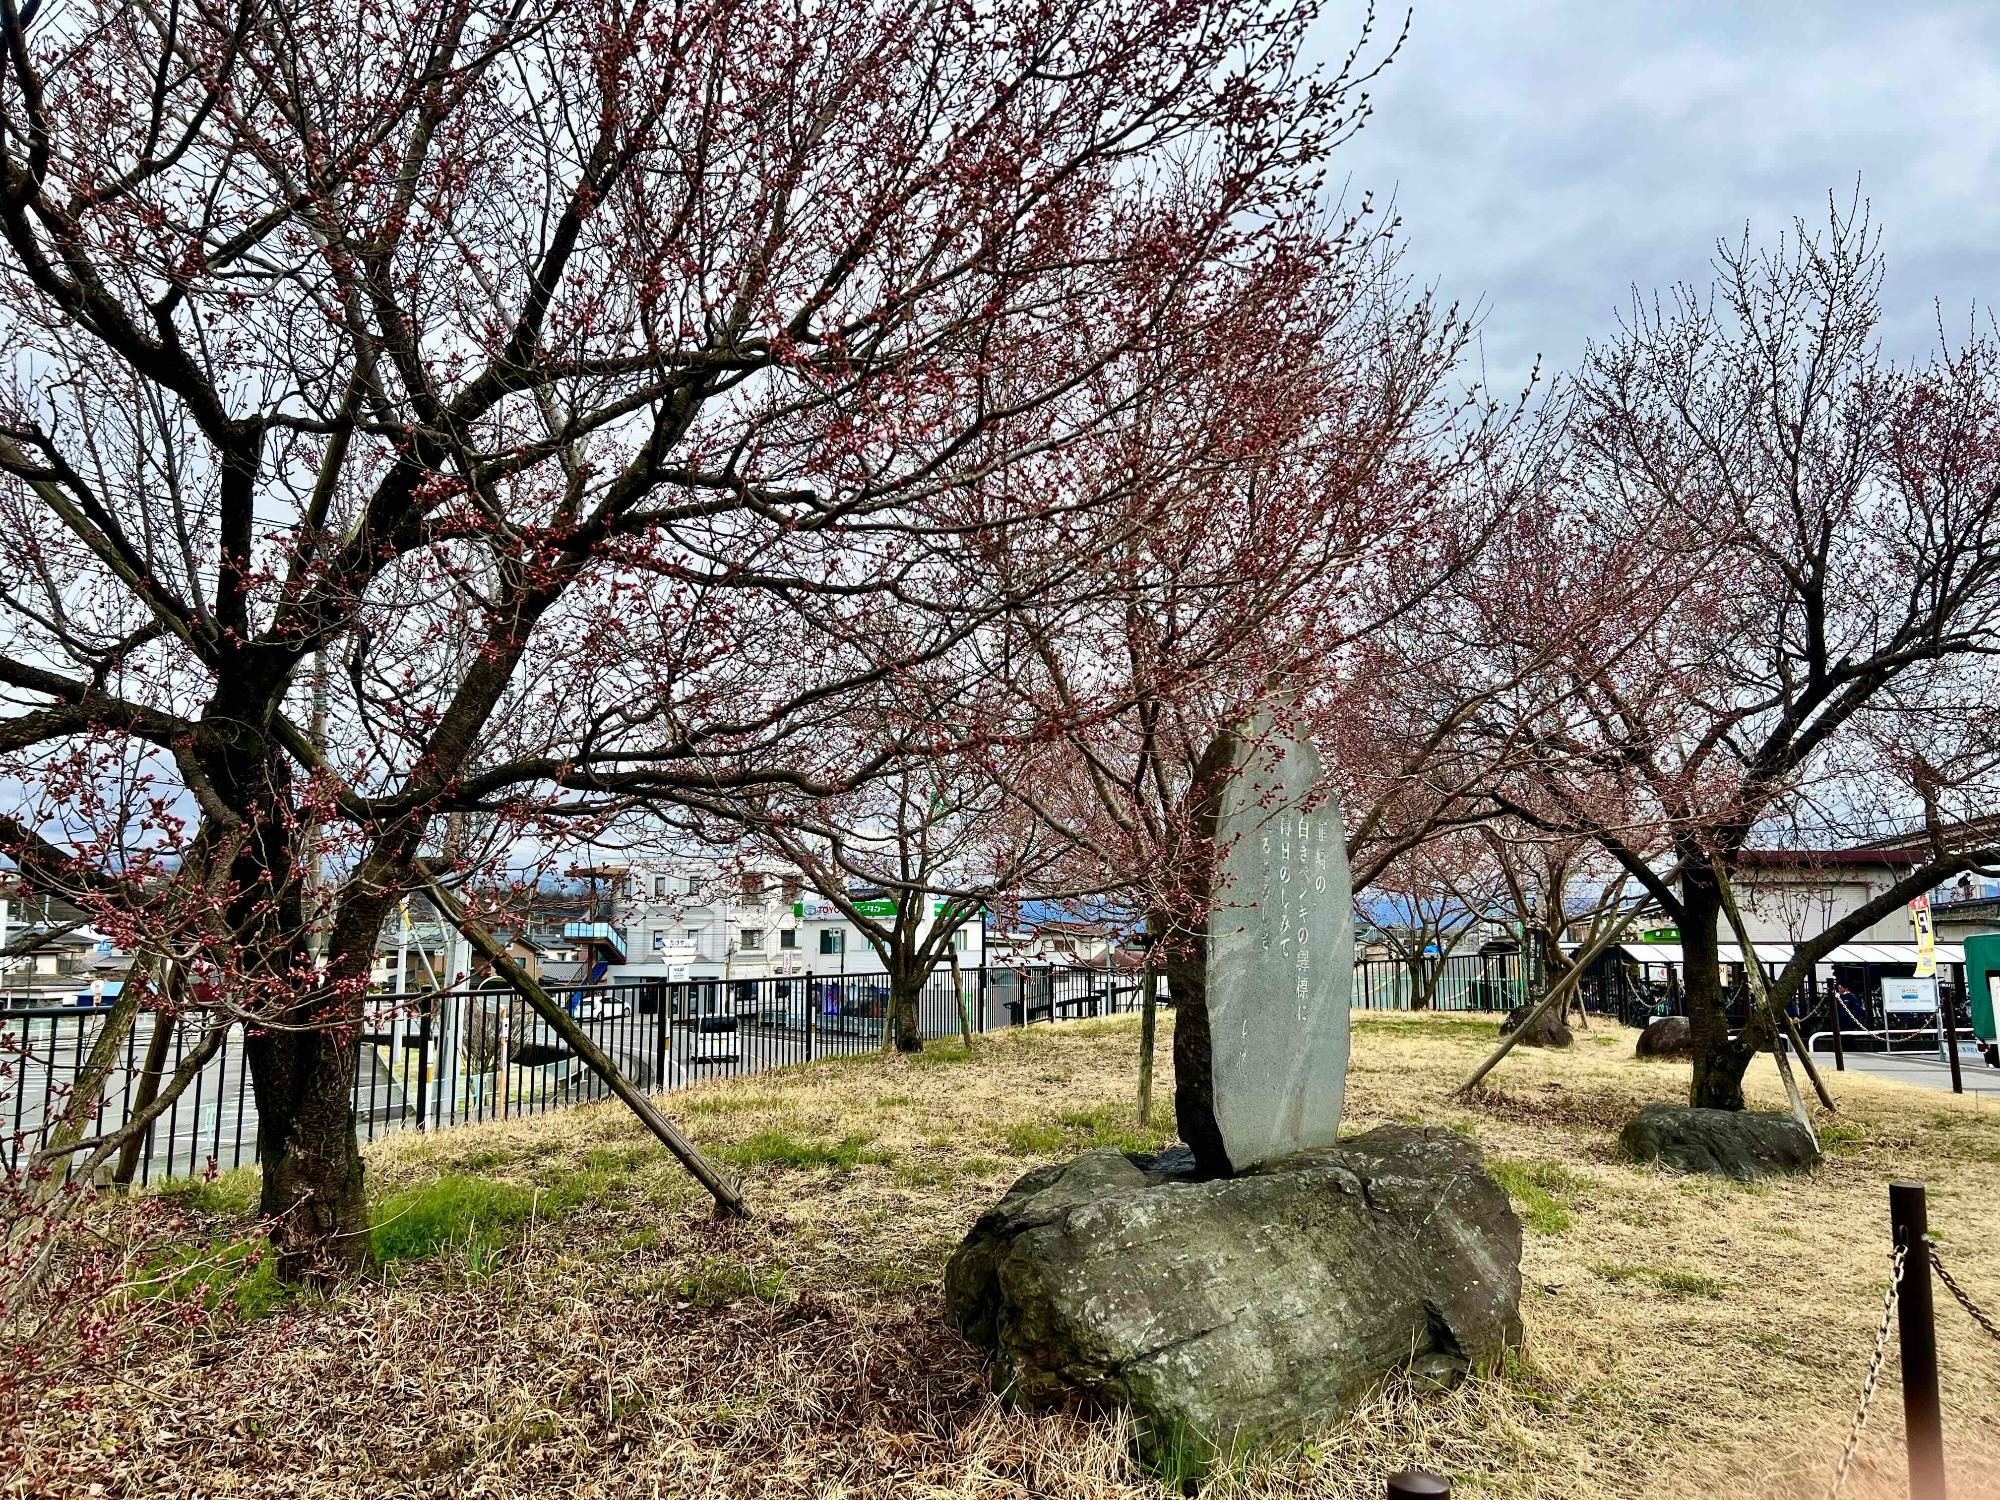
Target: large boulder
x=1740, y=1144
x=1232, y=1313
x=1667, y=1036
x=1548, y=1031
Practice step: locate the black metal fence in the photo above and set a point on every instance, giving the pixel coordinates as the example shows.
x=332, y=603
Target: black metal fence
x=1463, y=982
x=427, y=1062
x=431, y=1061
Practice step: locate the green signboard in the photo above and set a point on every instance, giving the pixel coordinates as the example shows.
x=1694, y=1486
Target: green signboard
x=1660, y=935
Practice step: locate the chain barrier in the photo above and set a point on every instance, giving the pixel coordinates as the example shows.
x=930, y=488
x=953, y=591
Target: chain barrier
x=1973, y=1309
x=1874, y=1375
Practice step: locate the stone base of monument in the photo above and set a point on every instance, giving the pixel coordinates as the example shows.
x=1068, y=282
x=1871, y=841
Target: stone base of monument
x=1734, y=1143
x=1237, y=1313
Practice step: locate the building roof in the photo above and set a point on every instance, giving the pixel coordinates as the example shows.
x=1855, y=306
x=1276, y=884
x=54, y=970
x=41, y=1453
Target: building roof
x=1871, y=857
x=1781, y=953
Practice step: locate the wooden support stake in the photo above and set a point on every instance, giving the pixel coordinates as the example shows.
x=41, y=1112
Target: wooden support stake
x=728, y=1200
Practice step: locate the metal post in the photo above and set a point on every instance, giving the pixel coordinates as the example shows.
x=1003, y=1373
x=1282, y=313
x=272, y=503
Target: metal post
x=423, y=1058
x=1414, y=1484
x=1923, y=1425
x=1839, y=1048
x=1949, y=1021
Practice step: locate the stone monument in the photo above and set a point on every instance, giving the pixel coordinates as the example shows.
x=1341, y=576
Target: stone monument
x=1241, y=1291
x=1261, y=999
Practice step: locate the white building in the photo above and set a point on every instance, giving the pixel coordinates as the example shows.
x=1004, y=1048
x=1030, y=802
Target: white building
x=713, y=920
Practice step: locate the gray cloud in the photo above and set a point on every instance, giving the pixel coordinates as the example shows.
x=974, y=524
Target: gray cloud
x=1546, y=155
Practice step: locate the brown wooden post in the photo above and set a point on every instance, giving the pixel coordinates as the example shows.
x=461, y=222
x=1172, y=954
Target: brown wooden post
x=1916, y=1334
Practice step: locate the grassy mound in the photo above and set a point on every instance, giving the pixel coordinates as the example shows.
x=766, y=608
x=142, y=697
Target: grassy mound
x=559, y=1312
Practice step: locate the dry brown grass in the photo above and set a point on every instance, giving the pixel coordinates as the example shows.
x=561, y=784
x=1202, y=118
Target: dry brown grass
x=1685, y=1337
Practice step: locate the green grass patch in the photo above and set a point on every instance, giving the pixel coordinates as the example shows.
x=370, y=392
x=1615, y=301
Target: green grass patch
x=798, y=1153
x=227, y=1195
x=732, y=1104
x=1682, y=1283
x=242, y=1276
x=1074, y=1130
x=1837, y=1138
x=1674, y=1281
x=474, y=1214
x=1543, y=1192
x=943, y=1174
x=1420, y=1024
x=717, y=1283
x=900, y=1276
x=940, y=1054
x=894, y=1101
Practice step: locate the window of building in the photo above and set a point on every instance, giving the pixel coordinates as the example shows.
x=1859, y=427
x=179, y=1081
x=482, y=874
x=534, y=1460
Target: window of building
x=694, y=885
x=659, y=941
x=833, y=939
x=752, y=885
x=788, y=937
x=659, y=886
x=752, y=940
x=959, y=939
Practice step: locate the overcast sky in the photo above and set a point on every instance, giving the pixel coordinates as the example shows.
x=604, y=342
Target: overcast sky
x=1548, y=154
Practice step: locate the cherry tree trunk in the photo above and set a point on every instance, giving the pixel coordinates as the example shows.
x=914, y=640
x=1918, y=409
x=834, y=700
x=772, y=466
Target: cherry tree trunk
x=905, y=986
x=312, y=1192
x=1720, y=1059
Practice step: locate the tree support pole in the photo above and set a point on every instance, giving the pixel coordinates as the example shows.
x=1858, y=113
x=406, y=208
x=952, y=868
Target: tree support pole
x=728, y=1201
x=1558, y=992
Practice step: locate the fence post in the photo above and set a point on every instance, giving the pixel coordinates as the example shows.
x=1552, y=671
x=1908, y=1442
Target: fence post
x=423, y=1061
x=1947, y=1005
x=1916, y=1333
x=663, y=1009
x=1414, y=1484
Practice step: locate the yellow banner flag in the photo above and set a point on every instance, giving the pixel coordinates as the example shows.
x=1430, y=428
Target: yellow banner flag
x=1920, y=919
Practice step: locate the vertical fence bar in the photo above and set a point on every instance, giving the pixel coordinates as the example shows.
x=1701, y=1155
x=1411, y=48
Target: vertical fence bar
x=1916, y=1332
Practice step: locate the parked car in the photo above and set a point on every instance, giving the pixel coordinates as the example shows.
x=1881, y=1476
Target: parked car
x=587, y=1007
x=715, y=1040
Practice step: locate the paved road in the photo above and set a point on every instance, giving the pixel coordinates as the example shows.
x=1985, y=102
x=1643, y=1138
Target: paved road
x=1923, y=1070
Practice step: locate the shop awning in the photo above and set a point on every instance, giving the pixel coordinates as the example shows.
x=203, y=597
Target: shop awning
x=1780, y=954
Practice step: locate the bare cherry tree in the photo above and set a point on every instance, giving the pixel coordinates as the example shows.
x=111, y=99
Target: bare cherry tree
x=427, y=410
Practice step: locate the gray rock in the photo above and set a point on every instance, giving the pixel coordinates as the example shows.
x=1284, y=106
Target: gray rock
x=1550, y=1031
x=1667, y=1036
x=1231, y=1314
x=1260, y=1031
x=1740, y=1144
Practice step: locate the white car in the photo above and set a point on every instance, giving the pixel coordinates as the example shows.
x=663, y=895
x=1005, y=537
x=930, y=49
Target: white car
x=592, y=1008
x=715, y=1040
